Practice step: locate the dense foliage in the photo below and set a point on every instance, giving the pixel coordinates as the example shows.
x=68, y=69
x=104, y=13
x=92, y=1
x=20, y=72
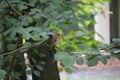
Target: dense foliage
x=27, y=24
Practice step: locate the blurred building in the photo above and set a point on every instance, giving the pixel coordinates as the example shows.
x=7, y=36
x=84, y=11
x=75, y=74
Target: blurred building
x=108, y=22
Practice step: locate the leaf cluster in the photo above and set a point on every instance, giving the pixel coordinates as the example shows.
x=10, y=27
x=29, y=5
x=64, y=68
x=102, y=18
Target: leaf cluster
x=26, y=24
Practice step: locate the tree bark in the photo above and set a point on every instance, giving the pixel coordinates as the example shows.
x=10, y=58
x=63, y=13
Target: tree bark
x=50, y=69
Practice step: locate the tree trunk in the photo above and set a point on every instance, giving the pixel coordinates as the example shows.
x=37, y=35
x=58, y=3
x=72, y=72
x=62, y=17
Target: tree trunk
x=50, y=71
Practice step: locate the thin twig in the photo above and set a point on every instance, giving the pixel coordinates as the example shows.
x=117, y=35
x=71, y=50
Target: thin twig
x=8, y=2
x=11, y=67
x=4, y=54
x=21, y=48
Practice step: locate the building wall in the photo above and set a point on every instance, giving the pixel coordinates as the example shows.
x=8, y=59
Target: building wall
x=103, y=25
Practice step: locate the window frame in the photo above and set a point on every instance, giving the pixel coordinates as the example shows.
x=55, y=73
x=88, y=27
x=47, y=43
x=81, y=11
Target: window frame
x=114, y=20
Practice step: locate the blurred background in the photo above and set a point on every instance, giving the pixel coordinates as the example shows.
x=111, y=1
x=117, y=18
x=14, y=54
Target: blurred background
x=108, y=26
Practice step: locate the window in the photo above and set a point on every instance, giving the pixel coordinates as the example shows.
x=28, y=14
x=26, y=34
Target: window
x=115, y=19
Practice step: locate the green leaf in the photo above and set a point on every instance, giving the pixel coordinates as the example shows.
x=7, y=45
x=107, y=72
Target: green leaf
x=22, y=6
x=41, y=63
x=103, y=46
x=37, y=16
x=68, y=61
x=19, y=30
x=114, y=50
x=65, y=58
x=36, y=37
x=1, y=27
x=39, y=67
x=2, y=73
x=103, y=59
x=32, y=2
x=38, y=29
x=14, y=1
x=2, y=5
x=37, y=73
x=16, y=75
x=34, y=11
x=93, y=62
x=42, y=55
x=8, y=31
x=69, y=19
x=26, y=35
x=29, y=72
x=67, y=13
x=65, y=29
x=24, y=21
x=85, y=17
x=117, y=51
x=93, y=51
x=30, y=19
x=1, y=61
x=36, y=51
x=82, y=47
x=79, y=33
x=69, y=70
x=116, y=40
x=43, y=1
x=11, y=47
x=44, y=35
x=33, y=60
x=79, y=61
x=69, y=48
x=116, y=55
x=30, y=66
x=59, y=56
x=26, y=44
x=30, y=29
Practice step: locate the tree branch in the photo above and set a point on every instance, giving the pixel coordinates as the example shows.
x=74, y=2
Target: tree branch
x=19, y=49
x=8, y=75
x=10, y=5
